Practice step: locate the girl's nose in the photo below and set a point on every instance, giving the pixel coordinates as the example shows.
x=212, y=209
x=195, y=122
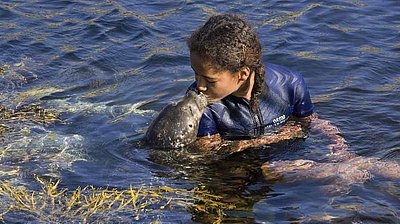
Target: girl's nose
x=201, y=85
x=202, y=88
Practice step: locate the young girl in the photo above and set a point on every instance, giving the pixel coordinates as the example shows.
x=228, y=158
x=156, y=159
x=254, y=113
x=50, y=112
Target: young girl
x=249, y=100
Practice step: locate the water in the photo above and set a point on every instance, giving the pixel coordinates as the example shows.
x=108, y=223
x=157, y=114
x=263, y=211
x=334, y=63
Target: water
x=109, y=66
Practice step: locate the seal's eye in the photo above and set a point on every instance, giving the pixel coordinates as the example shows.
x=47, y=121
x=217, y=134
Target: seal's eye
x=190, y=126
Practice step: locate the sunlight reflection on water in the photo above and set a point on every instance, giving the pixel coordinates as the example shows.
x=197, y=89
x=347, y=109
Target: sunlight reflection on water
x=109, y=66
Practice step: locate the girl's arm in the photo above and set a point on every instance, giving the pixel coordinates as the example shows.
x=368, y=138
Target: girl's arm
x=291, y=130
x=215, y=143
x=338, y=143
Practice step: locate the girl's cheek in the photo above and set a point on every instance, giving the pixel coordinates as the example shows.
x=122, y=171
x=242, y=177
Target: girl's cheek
x=211, y=89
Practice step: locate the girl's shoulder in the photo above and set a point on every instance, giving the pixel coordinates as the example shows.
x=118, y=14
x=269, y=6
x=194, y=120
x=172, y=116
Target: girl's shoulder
x=275, y=72
x=284, y=82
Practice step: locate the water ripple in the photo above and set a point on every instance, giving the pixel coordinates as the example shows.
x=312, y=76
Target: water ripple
x=108, y=66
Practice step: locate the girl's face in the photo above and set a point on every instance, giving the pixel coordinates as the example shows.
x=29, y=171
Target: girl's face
x=213, y=83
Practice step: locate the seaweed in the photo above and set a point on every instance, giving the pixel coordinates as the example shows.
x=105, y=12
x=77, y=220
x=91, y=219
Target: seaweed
x=15, y=75
x=90, y=204
x=26, y=113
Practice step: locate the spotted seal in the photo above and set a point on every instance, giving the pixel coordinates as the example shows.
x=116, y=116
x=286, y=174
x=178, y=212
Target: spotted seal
x=177, y=124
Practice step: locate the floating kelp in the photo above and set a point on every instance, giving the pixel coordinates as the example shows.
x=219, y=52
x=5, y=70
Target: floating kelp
x=13, y=76
x=99, y=91
x=25, y=139
x=36, y=93
x=89, y=204
x=395, y=84
x=120, y=112
x=37, y=150
x=288, y=17
x=9, y=78
x=26, y=113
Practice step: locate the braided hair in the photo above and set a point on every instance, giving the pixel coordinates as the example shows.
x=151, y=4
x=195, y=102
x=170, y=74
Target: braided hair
x=230, y=43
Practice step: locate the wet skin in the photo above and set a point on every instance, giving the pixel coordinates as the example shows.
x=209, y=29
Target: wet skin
x=216, y=84
x=177, y=124
x=344, y=169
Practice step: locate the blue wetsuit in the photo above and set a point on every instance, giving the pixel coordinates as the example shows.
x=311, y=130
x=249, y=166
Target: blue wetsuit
x=232, y=117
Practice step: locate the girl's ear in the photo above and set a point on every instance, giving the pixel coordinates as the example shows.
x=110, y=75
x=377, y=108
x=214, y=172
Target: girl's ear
x=244, y=73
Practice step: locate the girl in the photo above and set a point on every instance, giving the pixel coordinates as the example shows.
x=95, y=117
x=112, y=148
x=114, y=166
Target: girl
x=249, y=100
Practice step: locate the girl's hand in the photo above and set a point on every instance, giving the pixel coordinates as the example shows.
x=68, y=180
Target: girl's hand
x=338, y=143
x=207, y=143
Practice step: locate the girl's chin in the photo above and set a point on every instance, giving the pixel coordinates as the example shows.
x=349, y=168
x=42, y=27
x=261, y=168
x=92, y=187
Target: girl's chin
x=212, y=100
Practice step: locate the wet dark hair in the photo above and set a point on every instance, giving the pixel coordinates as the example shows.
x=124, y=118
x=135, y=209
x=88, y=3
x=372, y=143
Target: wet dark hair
x=230, y=43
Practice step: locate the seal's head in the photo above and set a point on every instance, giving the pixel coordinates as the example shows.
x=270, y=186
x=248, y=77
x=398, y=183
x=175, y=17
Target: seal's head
x=177, y=124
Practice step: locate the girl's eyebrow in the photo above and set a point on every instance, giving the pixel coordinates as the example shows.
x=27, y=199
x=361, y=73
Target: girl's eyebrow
x=204, y=75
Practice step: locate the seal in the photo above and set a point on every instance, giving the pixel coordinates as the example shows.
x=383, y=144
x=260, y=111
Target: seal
x=177, y=124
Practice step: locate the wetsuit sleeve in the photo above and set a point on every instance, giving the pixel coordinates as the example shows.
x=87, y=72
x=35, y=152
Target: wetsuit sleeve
x=207, y=124
x=302, y=105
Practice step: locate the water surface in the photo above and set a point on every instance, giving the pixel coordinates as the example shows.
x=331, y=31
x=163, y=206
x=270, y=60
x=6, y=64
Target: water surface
x=109, y=66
